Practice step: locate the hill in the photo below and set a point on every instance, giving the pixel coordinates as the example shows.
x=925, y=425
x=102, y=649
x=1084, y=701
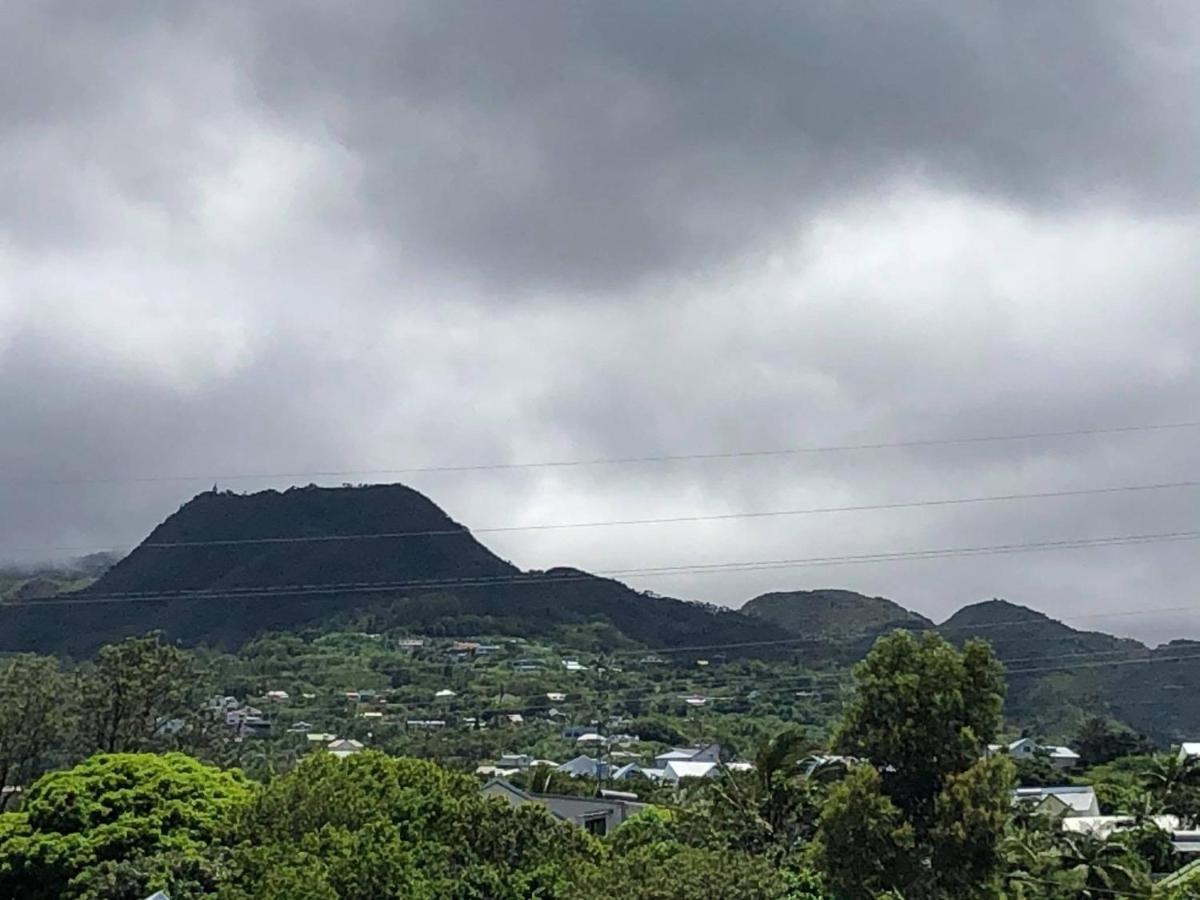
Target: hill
x=832, y=614
x=228, y=566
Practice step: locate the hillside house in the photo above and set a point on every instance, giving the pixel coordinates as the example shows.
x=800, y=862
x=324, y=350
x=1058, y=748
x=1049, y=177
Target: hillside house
x=1067, y=801
x=1189, y=750
x=597, y=815
x=1027, y=748
x=584, y=766
x=343, y=747
x=710, y=753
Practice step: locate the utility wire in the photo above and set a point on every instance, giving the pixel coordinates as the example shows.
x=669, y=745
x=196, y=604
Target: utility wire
x=626, y=460
x=276, y=591
x=670, y=520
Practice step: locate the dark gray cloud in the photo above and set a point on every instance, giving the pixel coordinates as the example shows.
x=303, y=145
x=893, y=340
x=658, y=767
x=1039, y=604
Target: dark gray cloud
x=293, y=238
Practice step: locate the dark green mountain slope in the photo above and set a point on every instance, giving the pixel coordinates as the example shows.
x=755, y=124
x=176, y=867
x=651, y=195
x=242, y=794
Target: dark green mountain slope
x=227, y=566
x=833, y=614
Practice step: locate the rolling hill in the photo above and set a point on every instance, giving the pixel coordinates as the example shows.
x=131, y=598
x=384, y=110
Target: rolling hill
x=833, y=614
x=228, y=566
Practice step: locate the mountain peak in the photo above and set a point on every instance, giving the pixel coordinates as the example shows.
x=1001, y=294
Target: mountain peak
x=833, y=613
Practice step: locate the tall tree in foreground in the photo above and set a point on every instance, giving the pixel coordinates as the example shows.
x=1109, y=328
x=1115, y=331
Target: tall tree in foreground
x=138, y=692
x=925, y=800
x=36, y=718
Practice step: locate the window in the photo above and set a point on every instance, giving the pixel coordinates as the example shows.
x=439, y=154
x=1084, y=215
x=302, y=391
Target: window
x=597, y=825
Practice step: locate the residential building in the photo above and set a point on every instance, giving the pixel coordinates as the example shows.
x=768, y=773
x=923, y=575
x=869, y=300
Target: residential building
x=708, y=753
x=584, y=766
x=343, y=747
x=679, y=769
x=1060, y=802
x=597, y=815
x=1028, y=748
x=1189, y=750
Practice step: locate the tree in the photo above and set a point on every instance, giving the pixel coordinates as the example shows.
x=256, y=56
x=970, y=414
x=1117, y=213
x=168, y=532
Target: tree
x=927, y=814
x=1098, y=742
x=138, y=692
x=36, y=718
x=1098, y=869
x=864, y=845
x=922, y=712
x=382, y=827
x=117, y=826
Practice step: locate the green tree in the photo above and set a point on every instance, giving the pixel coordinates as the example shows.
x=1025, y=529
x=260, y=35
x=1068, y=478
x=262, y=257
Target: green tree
x=926, y=814
x=381, y=827
x=118, y=826
x=137, y=694
x=1097, y=869
x=864, y=845
x=37, y=718
x=1100, y=741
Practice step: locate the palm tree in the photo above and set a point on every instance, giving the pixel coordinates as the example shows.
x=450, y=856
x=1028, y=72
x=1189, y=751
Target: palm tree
x=1100, y=870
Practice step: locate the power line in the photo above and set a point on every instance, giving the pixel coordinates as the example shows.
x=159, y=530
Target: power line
x=670, y=520
x=626, y=460
x=276, y=591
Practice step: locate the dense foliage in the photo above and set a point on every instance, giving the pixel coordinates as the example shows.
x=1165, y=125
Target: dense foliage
x=884, y=791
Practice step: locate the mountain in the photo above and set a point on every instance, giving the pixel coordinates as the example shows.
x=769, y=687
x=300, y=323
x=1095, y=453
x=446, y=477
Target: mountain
x=832, y=614
x=228, y=566
x=1019, y=633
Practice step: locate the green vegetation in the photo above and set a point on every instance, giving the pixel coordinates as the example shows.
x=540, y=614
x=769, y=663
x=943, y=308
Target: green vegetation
x=878, y=787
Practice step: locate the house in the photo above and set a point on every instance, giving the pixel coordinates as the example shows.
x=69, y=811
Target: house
x=409, y=644
x=695, y=700
x=574, y=731
x=574, y=665
x=516, y=719
x=514, y=761
x=425, y=723
x=1060, y=802
x=1028, y=748
x=678, y=769
x=710, y=753
x=526, y=665
x=597, y=815
x=629, y=770
x=1103, y=827
x=584, y=766
x=590, y=737
x=1189, y=750
x=320, y=737
x=276, y=695
x=343, y=747
x=301, y=728
x=555, y=697
x=444, y=694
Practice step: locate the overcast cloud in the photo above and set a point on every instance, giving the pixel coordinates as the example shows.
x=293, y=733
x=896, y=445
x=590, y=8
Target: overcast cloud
x=302, y=237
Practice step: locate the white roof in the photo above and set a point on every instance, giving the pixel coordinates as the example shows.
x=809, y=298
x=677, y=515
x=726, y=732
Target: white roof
x=1079, y=798
x=677, y=753
x=1189, y=748
x=1103, y=826
x=679, y=768
x=590, y=738
x=556, y=697
x=445, y=692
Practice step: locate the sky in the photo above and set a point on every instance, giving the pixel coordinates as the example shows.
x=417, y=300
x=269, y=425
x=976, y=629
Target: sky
x=291, y=242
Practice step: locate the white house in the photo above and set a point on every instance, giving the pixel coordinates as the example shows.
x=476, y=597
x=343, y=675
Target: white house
x=343, y=747
x=1028, y=748
x=574, y=665
x=1061, y=802
x=710, y=753
x=678, y=769
x=1189, y=750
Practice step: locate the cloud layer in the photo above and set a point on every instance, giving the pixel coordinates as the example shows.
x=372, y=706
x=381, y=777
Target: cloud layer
x=309, y=238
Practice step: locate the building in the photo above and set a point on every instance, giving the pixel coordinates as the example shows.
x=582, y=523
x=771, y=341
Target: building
x=709, y=753
x=1189, y=750
x=584, y=766
x=678, y=769
x=1027, y=748
x=597, y=815
x=343, y=747
x=1067, y=801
